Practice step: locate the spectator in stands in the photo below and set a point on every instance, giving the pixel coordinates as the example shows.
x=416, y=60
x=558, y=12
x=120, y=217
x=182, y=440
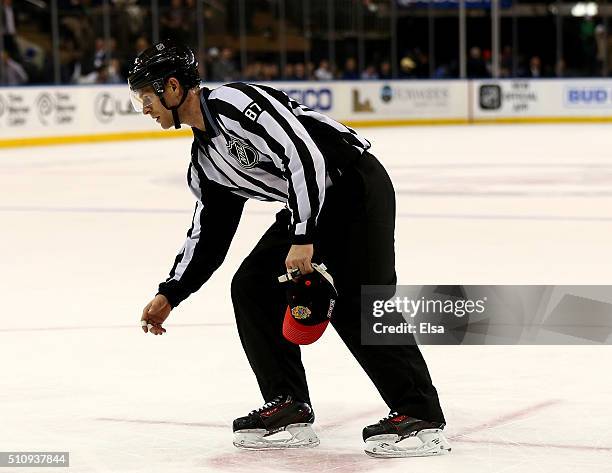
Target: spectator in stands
x=442, y=71
x=487, y=57
x=9, y=30
x=270, y=72
x=350, y=69
x=129, y=20
x=407, y=67
x=385, y=70
x=506, y=62
x=588, y=56
x=535, y=67
x=323, y=72
x=421, y=70
x=76, y=26
x=114, y=72
x=140, y=45
x=111, y=48
x=560, y=68
x=476, y=65
x=100, y=53
x=223, y=69
x=289, y=72
x=98, y=76
x=210, y=57
x=33, y=63
x=70, y=62
x=103, y=51
x=174, y=22
x=310, y=68
x=12, y=72
x=254, y=71
x=601, y=41
x=299, y=71
x=369, y=73
x=190, y=21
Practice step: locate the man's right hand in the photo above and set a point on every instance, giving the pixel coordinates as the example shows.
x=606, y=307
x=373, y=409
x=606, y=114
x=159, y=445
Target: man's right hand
x=155, y=313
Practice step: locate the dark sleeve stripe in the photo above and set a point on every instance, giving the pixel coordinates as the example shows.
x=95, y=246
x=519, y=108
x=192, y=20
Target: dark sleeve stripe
x=281, y=97
x=225, y=109
x=271, y=168
x=310, y=177
x=177, y=260
x=179, y=257
x=348, y=134
x=191, y=244
x=206, y=247
x=199, y=171
x=189, y=172
x=202, y=175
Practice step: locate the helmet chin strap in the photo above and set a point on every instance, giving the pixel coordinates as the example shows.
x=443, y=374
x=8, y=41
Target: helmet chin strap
x=174, y=110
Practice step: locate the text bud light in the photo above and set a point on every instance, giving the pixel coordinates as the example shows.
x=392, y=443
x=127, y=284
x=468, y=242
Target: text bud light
x=588, y=96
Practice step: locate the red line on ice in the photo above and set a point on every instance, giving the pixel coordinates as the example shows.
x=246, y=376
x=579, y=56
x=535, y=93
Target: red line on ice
x=220, y=425
x=497, y=421
x=538, y=445
x=135, y=326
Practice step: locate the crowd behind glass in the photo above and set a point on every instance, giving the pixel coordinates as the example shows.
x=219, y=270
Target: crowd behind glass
x=92, y=51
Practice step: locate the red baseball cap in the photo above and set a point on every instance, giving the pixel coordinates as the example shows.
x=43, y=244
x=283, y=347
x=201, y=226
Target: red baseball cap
x=310, y=304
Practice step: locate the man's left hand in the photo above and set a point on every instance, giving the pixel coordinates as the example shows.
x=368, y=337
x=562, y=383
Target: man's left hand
x=300, y=257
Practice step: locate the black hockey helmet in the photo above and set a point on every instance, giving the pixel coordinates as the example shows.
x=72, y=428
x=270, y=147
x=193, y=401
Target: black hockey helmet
x=155, y=65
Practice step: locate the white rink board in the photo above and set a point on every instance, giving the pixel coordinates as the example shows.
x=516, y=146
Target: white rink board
x=40, y=114
x=553, y=98
x=58, y=111
x=402, y=100
x=86, y=110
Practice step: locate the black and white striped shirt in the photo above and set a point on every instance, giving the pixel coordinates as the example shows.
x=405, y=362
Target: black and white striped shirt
x=258, y=144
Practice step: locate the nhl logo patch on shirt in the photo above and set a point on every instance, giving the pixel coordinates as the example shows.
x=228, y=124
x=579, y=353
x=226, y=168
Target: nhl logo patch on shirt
x=244, y=154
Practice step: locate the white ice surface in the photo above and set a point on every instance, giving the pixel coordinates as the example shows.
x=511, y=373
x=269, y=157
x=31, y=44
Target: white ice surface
x=87, y=231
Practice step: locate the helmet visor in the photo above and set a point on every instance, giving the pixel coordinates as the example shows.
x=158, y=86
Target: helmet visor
x=142, y=98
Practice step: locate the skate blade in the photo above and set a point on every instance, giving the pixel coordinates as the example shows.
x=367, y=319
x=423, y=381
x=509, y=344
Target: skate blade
x=301, y=436
x=425, y=444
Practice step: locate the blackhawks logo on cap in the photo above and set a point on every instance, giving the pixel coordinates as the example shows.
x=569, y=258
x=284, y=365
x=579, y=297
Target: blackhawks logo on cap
x=300, y=312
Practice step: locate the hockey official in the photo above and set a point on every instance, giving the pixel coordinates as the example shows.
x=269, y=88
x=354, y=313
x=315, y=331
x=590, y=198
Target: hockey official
x=254, y=142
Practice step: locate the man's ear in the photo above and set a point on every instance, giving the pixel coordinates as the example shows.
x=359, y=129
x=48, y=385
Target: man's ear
x=174, y=84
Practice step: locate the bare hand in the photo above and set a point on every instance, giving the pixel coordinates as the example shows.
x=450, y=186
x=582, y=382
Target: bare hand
x=300, y=257
x=155, y=313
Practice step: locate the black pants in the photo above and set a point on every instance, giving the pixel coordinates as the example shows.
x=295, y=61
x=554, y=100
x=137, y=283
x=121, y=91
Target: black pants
x=355, y=239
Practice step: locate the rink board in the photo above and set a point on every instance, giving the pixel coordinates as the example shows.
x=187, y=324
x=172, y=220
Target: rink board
x=79, y=114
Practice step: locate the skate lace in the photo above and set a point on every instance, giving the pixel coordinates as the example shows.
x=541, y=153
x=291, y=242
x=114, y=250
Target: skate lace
x=390, y=416
x=274, y=402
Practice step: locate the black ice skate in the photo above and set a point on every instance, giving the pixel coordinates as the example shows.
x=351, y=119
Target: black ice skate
x=402, y=436
x=280, y=423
